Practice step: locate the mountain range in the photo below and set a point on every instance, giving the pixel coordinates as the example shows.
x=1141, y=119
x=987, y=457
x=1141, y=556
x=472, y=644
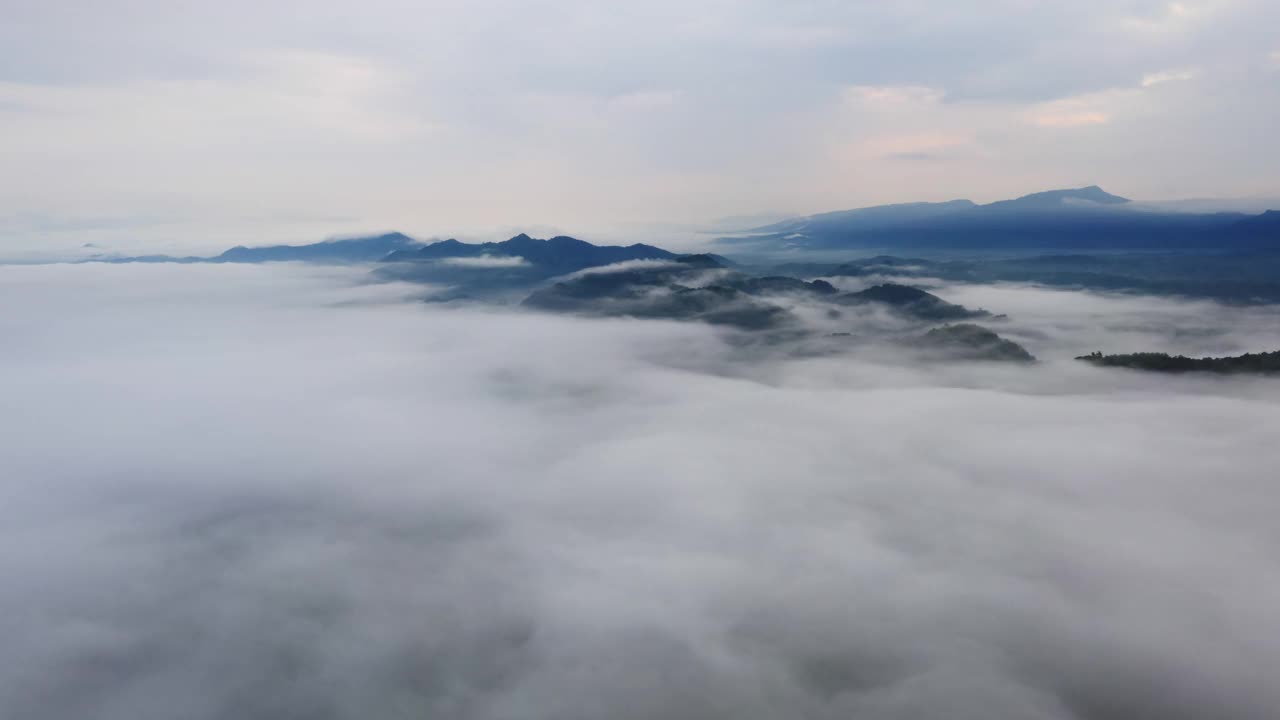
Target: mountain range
x=1080, y=218
x=555, y=256
x=561, y=253
x=1087, y=218
x=565, y=274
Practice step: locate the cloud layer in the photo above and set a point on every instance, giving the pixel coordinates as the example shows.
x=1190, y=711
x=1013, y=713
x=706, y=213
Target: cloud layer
x=270, y=492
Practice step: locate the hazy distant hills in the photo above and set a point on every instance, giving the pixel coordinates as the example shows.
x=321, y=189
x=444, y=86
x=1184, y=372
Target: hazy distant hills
x=1241, y=276
x=1080, y=218
x=1078, y=198
x=562, y=253
x=1087, y=218
x=550, y=257
x=1266, y=224
x=568, y=275
x=347, y=250
x=480, y=269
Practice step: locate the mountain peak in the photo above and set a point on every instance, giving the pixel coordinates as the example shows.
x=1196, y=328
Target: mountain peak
x=1093, y=193
x=1058, y=198
x=564, y=241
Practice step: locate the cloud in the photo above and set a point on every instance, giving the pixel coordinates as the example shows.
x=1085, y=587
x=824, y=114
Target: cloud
x=914, y=156
x=1170, y=17
x=621, y=267
x=917, y=143
x=486, y=261
x=460, y=118
x=1158, y=78
x=646, y=100
x=276, y=491
x=890, y=96
x=1071, y=120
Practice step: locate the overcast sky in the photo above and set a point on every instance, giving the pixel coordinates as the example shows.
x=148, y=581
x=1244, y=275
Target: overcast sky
x=196, y=124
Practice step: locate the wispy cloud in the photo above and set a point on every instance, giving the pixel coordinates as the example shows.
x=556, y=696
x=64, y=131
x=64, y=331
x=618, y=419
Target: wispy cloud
x=924, y=142
x=645, y=100
x=1072, y=119
x=1159, y=78
x=486, y=261
x=892, y=96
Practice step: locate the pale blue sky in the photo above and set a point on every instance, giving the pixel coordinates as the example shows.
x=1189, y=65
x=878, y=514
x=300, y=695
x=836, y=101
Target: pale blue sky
x=171, y=123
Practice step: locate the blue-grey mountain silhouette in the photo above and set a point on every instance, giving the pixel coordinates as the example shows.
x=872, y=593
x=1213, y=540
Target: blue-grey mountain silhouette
x=1078, y=218
x=560, y=254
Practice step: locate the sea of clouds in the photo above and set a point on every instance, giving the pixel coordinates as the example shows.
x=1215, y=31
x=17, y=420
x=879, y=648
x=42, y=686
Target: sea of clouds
x=282, y=492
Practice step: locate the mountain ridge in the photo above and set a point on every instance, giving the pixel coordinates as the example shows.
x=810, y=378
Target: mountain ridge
x=561, y=252
x=1063, y=219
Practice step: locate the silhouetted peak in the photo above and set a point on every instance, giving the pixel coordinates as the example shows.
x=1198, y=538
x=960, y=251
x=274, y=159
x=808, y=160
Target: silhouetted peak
x=704, y=260
x=391, y=237
x=566, y=241
x=1060, y=198
x=967, y=341
x=894, y=293
x=364, y=248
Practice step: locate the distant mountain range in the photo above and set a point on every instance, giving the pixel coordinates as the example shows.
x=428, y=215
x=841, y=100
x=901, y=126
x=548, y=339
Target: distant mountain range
x=347, y=250
x=558, y=255
x=1080, y=218
x=561, y=253
x=1087, y=218
x=1240, y=276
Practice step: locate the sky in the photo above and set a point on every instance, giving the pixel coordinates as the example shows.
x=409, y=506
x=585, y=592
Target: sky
x=280, y=491
x=176, y=124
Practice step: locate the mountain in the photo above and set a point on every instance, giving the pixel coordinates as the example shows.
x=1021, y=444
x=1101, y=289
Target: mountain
x=778, y=284
x=501, y=268
x=1264, y=228
x=684, y=289
x=481, y=269
x=346, y=250
x=910, y=301
x=966, y=341
x=1239, y=277
x=1267, y=363
x=1076, y=218
x=770, y=310
x=695, y=287
x=560, y=254
x=869, y=218
x=337, y=251
x=1079, y=198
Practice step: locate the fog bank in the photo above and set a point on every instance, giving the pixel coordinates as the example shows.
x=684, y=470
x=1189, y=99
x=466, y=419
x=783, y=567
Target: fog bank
x=281, y=492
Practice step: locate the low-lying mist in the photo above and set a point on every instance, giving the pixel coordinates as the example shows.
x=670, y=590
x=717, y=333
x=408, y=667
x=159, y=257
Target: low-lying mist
x=282, y=492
